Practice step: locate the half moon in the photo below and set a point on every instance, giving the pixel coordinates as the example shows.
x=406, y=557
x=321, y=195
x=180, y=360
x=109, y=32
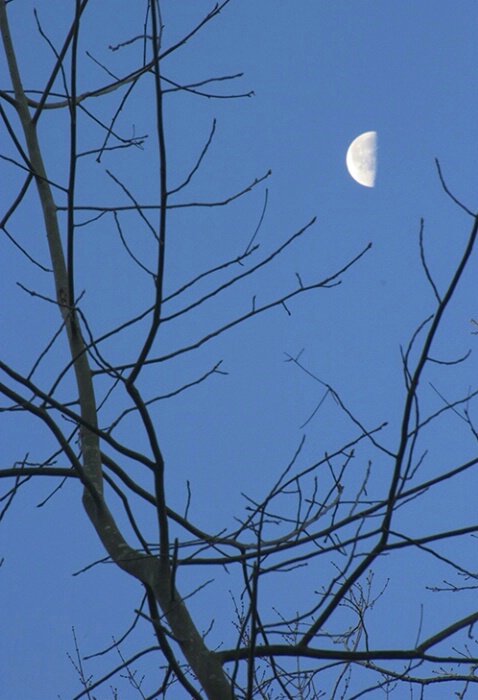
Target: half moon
x=361, y=159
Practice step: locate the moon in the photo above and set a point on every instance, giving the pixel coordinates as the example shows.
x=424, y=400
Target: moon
x=361, y=159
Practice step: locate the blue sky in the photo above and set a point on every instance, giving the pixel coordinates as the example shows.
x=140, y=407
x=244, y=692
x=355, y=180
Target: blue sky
x=322, y=73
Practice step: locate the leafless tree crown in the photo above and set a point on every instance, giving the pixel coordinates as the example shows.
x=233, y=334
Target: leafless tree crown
x=105, y=333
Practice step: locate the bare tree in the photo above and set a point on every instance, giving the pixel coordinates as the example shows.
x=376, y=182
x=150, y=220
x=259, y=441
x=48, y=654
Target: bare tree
x=92, y=390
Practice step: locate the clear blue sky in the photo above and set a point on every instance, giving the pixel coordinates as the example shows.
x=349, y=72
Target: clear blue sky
x=322, y=73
